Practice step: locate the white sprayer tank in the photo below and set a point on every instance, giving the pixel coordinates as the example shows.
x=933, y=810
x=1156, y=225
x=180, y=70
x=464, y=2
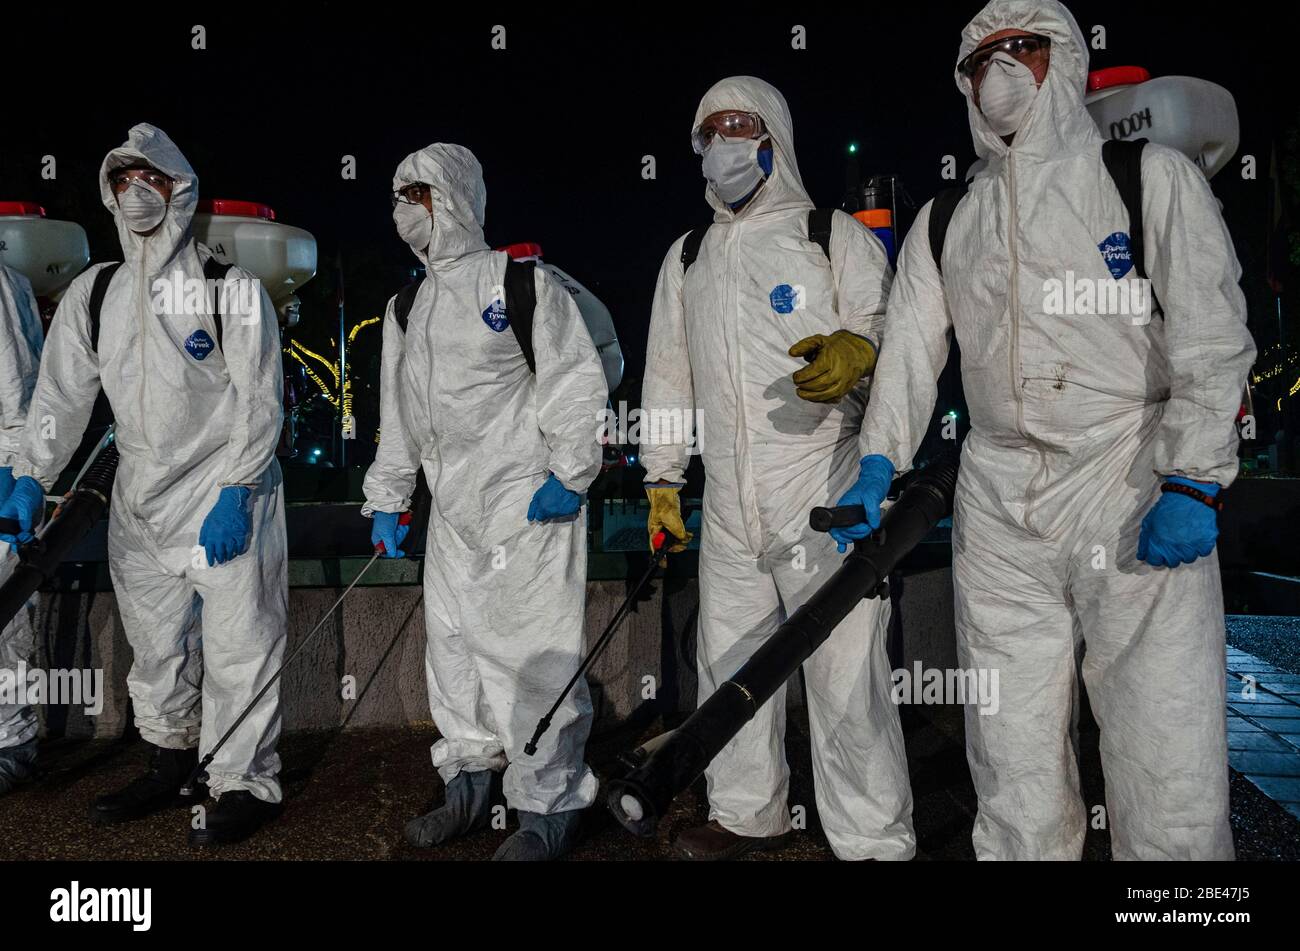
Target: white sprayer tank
x=246, y=234
x=594, y=314
x=48, y=253
x=1194, y=116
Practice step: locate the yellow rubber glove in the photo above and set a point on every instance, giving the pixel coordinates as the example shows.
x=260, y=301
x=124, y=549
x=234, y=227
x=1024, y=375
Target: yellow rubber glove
x=666, y=514
x=841, y=360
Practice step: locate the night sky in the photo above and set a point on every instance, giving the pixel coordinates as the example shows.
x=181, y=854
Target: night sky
x=560, y=120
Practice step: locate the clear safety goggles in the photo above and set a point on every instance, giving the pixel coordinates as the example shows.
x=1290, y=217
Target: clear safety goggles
x=120, y=178
x=412, y=194
x=1028, y=50
x=730, y=125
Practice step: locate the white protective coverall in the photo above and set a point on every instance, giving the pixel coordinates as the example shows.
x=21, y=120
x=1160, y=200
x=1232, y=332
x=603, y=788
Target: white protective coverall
x=191, y=418
x=719, y=341
x=504, y=598
x=1074, y=420
x=20, y=359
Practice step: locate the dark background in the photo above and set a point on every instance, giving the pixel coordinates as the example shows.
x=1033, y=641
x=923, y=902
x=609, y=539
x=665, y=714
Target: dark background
x=560, y=121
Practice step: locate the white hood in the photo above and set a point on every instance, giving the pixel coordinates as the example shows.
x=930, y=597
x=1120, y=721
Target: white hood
x=459, y=199
x=150, y=144
x=783, y=189
x=1057, y=122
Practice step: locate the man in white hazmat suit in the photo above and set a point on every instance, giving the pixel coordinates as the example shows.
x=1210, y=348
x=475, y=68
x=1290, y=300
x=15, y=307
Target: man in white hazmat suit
x=196, y=542
x=508, y=452
x=1063, y=538
x=726, y=335
x=20, y=358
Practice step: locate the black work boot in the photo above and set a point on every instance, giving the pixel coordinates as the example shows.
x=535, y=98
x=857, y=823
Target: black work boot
x=17, y=765
x=713, y=842
x=234, y=817
x=467, y=807
x=541, y=838
x=159, y=788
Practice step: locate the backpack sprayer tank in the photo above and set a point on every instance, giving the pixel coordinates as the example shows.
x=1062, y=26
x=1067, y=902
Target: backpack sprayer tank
x=1196, y=117
x=246, y=234
x=594, y=314
x=47, y=252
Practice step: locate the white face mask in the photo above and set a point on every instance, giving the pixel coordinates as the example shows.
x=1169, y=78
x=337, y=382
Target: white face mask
x=731, y=167
x=1006, y=93
x=142, y=207
x=414, y=225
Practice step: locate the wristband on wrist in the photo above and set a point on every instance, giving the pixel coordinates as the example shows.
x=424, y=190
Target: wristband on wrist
x=1187, y=490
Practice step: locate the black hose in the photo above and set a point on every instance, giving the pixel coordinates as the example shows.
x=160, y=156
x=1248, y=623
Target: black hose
x=77, y=515
x=644, y=796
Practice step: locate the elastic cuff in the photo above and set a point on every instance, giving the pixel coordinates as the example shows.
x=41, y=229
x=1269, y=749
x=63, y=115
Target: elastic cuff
x=26, y=472
x=566, y=483
x=875, y=348
x=1209, y=488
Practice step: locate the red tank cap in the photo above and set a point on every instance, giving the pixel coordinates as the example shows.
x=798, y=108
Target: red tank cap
x=21, y=208
x=1100, y=79
x=242, y=209
x=525, y=249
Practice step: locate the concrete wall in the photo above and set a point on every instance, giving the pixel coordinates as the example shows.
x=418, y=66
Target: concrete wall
x=377, y=638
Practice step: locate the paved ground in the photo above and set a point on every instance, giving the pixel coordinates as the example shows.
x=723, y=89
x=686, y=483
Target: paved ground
x=349, y=794
x=1274, y=639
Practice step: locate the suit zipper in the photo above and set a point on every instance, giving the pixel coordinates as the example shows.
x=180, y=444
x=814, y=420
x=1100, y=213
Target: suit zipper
x=1016, y=382
x=1014, y=302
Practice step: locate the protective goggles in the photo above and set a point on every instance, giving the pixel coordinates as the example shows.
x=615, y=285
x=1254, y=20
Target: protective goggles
x=1028, y=50
x=730, y=125
x=120, y=178
x=412, y=194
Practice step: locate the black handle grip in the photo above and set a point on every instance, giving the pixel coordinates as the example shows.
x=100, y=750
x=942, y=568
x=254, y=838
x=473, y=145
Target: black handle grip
x=9, y=526
x=840, y=516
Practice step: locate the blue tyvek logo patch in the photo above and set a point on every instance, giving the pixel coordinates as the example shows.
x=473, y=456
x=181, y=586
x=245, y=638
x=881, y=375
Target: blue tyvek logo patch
x=783, y=298
x=1117, y=252
x=496, y=317
x=199, y=344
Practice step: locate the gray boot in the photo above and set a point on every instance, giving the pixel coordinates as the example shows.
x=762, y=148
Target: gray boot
x=17, y=765
x=541, y=838
x=467, y=807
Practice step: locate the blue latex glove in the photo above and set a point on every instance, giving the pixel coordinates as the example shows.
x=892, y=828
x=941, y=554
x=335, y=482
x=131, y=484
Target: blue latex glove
x=26, y=505
x=6, y=482
x=386, y=530
x=876, y=475
x=553, y=501
x=227, y=528
x=1178, y=530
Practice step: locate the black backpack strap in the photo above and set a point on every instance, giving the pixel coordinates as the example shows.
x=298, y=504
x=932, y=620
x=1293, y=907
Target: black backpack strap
x=941, y=211
x=1123, y=161
x=103, y=277
x=405, y=301
x=691, y=246
x=819, y=228
x=521, y=302
x=214, y=270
